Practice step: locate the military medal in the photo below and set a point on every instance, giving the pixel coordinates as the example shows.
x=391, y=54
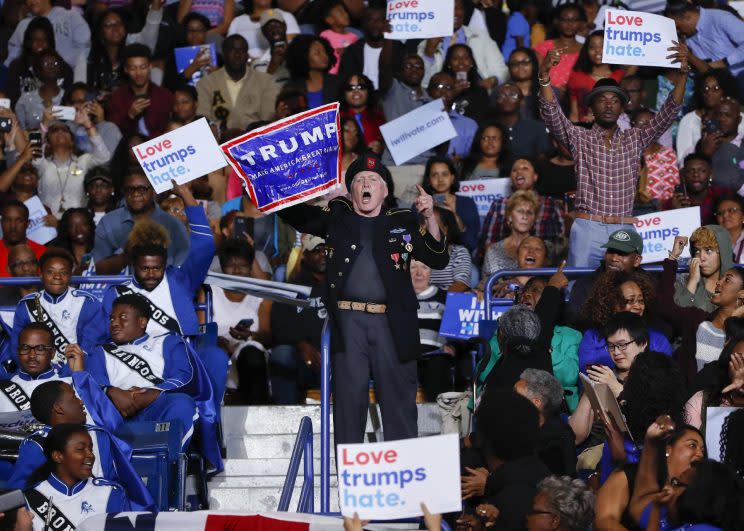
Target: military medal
x=395, y=257
x=407, y=245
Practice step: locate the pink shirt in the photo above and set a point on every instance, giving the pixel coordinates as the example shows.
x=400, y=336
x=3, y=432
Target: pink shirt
x=560, y=72
x=338, y=41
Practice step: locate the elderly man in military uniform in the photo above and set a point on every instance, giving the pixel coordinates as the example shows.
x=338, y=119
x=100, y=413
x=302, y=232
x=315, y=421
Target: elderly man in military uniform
x=370, y=296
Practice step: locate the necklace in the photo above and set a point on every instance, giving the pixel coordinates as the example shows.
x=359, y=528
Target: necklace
x=71, y=170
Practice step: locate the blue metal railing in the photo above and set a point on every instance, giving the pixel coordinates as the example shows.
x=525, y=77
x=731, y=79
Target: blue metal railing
x=325, y=370
x=303, y=450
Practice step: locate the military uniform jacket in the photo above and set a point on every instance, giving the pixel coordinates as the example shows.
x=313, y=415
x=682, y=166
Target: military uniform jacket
x=398, y=238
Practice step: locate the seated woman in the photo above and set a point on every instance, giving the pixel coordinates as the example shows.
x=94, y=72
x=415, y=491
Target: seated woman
x=66, y=481
x=706, y=496
x=683, y=447
x=442, y=182
x=521, y=213
x=488, y=157
x=727, y=389
x=701, y=331
x=712, y=252
x=612, y=293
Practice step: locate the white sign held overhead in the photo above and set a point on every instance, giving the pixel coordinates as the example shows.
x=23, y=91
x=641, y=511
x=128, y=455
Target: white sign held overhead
x=638, y=38
x=659, y=229
x=420, y=19
x=391, y=479
x=418, y=130
x=184, y=155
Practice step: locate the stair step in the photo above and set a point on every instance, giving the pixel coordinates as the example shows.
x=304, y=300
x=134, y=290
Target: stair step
x=264, y=467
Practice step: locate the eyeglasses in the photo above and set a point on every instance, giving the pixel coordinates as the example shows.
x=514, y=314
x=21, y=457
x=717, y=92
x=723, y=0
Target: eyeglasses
x=141, y=189
x=443, y=86
x=23, y=263
x=510, y=95
x=676, y=482
x=724, y=211
x=711, y=88
x=38, y=349
x=413, y=66
x=524, y=62
x=113, y=24
x=350, y=88
x=622, y=347
x=631, y=302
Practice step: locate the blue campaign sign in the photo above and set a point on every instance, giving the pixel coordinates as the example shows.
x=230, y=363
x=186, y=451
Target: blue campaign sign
x=289, y=161
x=464, y=317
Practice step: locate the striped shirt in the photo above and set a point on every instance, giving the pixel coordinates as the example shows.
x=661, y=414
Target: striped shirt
x=459, y=268
x=606, y=177
x=430, y=310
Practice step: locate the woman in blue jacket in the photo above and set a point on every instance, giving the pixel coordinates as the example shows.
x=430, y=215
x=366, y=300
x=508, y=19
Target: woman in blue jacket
x=612, y=293
x=65, y=483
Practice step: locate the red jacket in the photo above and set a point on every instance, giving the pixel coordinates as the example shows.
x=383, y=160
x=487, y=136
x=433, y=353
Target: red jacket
x=38, y=250
x=156, y=115
x=371, y=121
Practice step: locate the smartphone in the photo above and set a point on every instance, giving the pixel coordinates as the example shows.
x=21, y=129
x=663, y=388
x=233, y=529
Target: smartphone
x=440, y=199
x=4, y=103
x=461, y=76
x=681, y=188
x=245, y=323
x=34, y=138
x=711, y=126
x=242, y=226
x=64, y=112
x=6, y=124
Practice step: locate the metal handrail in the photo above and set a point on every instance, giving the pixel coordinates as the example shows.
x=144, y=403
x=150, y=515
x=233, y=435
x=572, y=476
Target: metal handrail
x=572, y=272
x=303, y=449
x=325, y=417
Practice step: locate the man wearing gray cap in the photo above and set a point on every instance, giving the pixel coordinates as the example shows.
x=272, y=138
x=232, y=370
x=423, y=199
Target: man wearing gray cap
x=370, y=296
x=607, y=159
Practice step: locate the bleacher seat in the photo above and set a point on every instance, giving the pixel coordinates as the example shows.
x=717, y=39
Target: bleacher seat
x=157, y=458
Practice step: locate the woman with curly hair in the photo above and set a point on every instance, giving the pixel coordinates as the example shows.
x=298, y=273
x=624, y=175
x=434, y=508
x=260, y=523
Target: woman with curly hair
x=612, y=293
x=732, y=435
x=309, y=61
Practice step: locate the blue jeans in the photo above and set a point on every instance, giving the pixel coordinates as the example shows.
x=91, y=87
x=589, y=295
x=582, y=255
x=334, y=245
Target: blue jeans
x=586, y=241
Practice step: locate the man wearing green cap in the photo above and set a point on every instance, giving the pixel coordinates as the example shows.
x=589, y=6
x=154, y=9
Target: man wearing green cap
x=370, y=296
x=623, y=252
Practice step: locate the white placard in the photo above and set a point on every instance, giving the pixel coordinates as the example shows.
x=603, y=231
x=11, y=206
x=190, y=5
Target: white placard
x=391, y=479
x=638, y=38
x=485, y=191
x=184, y=155
x=37, y=231
x=715, y=417
x=416, y=131
x=659, y=229
x=420, y=19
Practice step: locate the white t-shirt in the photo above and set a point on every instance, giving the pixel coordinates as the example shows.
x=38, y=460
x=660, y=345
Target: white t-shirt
x=251, y=32
x=372, y=63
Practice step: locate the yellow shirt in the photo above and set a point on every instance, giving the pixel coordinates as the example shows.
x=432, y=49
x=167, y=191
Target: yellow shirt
x=233, y=88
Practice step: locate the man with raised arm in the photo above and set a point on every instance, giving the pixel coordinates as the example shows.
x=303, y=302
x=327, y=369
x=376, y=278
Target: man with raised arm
x=370, y=297
x=607, y=159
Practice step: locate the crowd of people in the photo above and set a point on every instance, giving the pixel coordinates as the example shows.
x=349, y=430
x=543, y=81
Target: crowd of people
x=586, y=147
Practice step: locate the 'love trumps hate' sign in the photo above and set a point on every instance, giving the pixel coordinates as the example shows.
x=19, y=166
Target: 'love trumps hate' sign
x=391, y=479
x=637, y=38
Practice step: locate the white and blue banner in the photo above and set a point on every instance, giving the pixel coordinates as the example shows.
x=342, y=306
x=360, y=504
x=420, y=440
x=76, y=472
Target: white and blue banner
x=465, y=317
x=289, y=161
